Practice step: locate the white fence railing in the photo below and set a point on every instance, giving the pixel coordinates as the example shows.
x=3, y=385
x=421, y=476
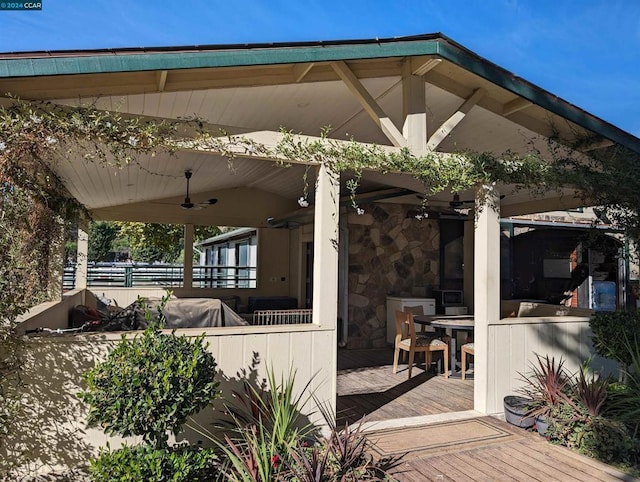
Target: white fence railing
x=170, y=275
x=282, y=317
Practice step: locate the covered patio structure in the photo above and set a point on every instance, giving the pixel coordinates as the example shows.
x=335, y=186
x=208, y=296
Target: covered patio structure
x=423, y=94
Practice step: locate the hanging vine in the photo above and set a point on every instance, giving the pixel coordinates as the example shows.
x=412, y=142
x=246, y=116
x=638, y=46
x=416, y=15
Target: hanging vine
x=33, y=135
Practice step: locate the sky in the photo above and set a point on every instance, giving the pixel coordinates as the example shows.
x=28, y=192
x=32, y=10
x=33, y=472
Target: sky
x=584, y=51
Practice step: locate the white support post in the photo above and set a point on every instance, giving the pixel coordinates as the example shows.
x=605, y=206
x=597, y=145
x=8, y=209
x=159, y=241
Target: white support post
x=325, y=276
x=486, y=288
x=325, y=248
x=82, y=254
x=468, y=263
x=187, y=281
x=414, y=111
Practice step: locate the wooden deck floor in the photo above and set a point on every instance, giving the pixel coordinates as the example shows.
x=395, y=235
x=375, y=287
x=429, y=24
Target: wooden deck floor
x=368, y=387
x=519, y=456
x=492, y=451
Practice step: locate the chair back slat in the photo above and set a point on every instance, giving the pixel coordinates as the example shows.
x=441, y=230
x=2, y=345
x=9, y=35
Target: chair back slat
x=401, y=325
x=411, y=327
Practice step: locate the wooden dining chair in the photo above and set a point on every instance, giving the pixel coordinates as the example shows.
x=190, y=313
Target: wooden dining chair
x=465, y=349
x=417, y=311
x=407, y=340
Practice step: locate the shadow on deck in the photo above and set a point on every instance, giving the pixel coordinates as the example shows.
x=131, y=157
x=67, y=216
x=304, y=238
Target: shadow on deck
x=368, y=387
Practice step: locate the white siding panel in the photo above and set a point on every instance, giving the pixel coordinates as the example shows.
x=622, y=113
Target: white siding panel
x=301, y=360
x=279, y=350
x=556, y=337
x=231, y=355
x=255, y=351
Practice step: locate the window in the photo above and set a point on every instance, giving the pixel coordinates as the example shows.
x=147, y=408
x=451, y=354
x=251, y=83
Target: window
x=451, y=254
x=242, y=264
x=231, y=259
x=220, y=262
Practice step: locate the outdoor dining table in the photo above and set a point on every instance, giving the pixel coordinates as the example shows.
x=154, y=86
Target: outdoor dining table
x=455, y=323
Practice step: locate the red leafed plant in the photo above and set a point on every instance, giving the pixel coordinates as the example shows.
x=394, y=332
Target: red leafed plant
x=548, y=385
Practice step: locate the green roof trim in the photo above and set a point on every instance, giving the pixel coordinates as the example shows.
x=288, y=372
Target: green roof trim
x=135, y=60
x=545, y=99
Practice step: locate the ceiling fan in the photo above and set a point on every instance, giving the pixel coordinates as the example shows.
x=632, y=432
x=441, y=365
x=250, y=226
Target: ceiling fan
x=187, y=204
x=457, y=203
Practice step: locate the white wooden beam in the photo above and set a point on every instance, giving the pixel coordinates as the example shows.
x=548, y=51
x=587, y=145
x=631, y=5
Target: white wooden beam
x=162, y=80
x=300, y=71
x=515, y=105
x=445, y=129
x=422, y=65
x=237, y=145
x=567, y=200
x=369, y=103
x=414, y=110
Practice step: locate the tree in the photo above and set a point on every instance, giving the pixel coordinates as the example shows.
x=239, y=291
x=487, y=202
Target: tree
x=160, y=242
x=102, y=234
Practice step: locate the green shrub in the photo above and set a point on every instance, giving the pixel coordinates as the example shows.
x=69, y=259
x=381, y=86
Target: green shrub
x=623, y=404
x=146, y=463
x=150, y=384
x=606, y=440
x=612, y=333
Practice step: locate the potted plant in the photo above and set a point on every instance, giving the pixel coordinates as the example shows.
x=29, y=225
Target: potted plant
x=516, y=411
x=547, y=387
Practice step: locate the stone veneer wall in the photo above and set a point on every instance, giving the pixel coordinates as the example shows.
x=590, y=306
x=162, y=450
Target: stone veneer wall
x=389, y=254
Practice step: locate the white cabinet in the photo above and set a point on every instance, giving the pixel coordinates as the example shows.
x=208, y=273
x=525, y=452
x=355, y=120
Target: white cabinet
x=397, y=303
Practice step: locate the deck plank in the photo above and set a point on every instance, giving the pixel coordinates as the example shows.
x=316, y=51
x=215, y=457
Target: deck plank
x=368, y=387
x=523, y=456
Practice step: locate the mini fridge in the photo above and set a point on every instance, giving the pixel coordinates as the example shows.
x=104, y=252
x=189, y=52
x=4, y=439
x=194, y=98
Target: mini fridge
x=399, y=303
x=603, y=295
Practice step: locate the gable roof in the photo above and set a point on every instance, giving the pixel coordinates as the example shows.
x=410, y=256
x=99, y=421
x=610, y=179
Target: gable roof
x=129, y=60
x=259, y=89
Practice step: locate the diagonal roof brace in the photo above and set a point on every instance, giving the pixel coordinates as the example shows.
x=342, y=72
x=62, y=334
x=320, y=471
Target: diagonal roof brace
x=447, y=126
x=162, y=80
x=515, y=105
x=369, y=103
x=300, y=71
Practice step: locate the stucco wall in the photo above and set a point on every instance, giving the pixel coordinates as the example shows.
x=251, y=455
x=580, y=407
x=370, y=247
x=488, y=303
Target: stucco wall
x=390, y=253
